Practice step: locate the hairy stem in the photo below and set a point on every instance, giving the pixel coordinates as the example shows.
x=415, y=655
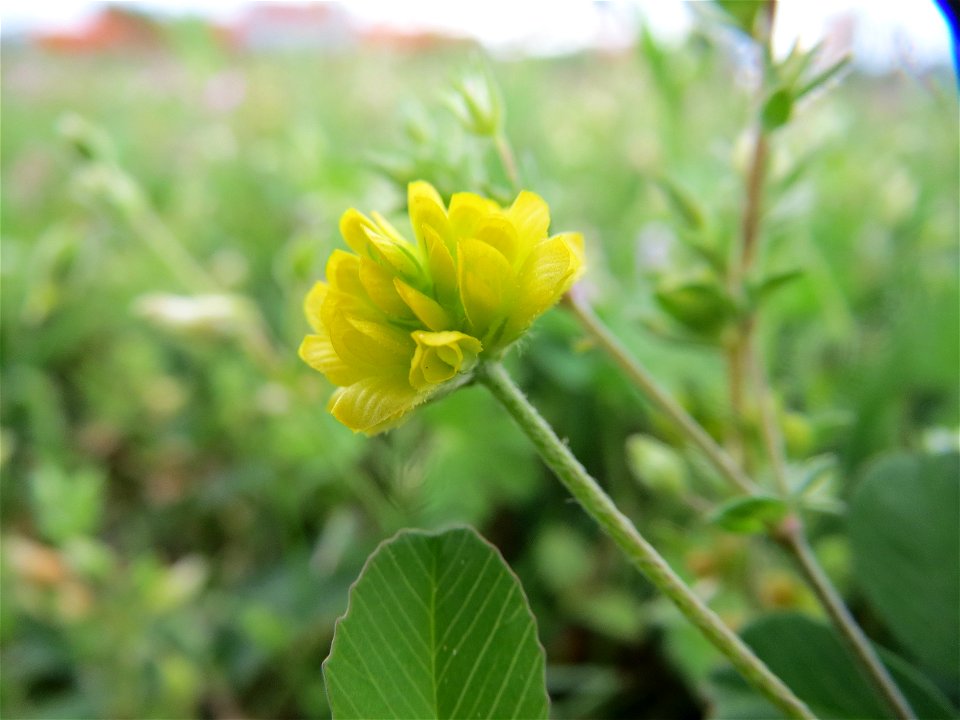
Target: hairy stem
x=618, y=527
x=658, y=396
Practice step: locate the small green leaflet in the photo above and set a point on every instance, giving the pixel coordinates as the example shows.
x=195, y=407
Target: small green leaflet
x=437, y=626
x=749, y=514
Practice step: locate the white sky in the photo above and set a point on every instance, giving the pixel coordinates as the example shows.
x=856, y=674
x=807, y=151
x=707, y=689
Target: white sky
x=886, y=29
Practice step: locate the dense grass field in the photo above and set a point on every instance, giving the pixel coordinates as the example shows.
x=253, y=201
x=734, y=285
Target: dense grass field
x=181, y=516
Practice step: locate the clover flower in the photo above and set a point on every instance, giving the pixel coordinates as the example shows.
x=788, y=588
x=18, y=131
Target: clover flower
x=397, y=322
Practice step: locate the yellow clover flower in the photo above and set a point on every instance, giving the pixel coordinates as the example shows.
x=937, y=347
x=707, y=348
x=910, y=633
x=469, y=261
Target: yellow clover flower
x=396, y=322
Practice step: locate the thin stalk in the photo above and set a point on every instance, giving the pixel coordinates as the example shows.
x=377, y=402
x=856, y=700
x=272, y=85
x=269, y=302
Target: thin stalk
x=753, y=205
x=769, y=428
x=748, y=365
x=733, y=439
x=641, y=553
x=508, y=159
x=137, y=213
x=658, y=396
x=744, y=256
x=738, y=353
x=793, y=538
x=132, y=203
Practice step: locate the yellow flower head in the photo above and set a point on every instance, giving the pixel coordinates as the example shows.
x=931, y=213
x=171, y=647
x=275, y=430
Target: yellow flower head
x=396, y=321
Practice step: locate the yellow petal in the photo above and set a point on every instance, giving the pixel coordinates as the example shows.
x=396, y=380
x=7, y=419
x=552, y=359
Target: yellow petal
x=442, y=269
x=399, y=255
x=343, y=273
x=355, y=228
x=549, y=271
x=531, y=216
x=313, y=302
x=488, y=288
x=372, y=347
x=426, y=211
x=440, y=356
x=424, y=307
x=378, y=283
x=500, y=232
x=385, y=227
x=466, y=212
x=345, y=292
x=374, y=404
x=317, y=351
x=391, y=343
x=379, y=241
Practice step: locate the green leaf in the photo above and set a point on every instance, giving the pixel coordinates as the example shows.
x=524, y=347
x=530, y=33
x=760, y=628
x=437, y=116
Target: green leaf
x=824, y=77
x=905, y=542
x=811, y=659
x=749, y=514
x=777, y=110
x=682, y=203
x=657, y=465
x=67, y=504
x=611, y=611
x=437, y=626
x=795, y=64
x=698, y=304
x=771, y=283
x=563, y=558
x=743, y=13
x=809, y=476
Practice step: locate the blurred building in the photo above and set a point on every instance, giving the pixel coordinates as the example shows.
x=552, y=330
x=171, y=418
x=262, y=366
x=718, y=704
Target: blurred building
x=282, y=26
x=260, y=27
x=114, y=28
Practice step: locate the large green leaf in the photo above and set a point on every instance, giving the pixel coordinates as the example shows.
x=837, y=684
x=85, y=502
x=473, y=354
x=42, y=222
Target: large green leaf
x=810, y=657
x=437, y=626
x=905, y=537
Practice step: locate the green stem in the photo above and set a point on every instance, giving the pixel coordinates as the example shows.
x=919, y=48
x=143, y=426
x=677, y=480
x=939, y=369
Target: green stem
x=507, y=159
x=793, y=538
x=641, y=553
x=769, y=428
x=137, y=213
x=658, y=396
x=130, y=200
x=792, y=534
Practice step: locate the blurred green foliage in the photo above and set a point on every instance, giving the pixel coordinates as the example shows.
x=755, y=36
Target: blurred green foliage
x=182, y=518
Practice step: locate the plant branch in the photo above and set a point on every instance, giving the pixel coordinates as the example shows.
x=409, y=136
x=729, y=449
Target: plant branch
x=739, y=348
x=750, y=224
x=658, y=396
x=792, y=537
x=733, y=440
x=508, y=159
x=748, y=363
x=738, y=353
x=128, y=198
x=769, y=428
x=618, y=527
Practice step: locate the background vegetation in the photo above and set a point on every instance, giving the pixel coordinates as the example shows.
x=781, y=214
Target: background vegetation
x=182, y=518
